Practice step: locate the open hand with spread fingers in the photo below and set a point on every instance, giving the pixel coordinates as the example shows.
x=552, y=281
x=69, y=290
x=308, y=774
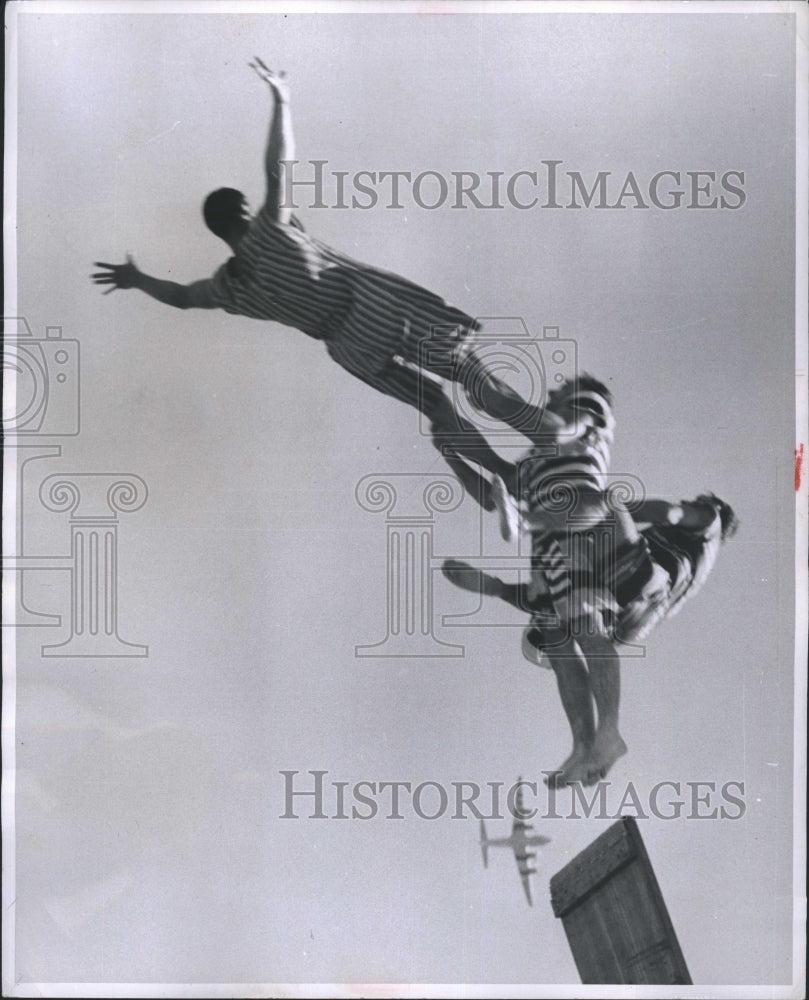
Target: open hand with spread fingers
x=277, y=79
x=117, y=275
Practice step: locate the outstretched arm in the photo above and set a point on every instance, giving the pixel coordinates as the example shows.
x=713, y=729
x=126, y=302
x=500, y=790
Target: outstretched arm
x=280, y=145
x=169, y=292
x=657, y=512
x=693, y=515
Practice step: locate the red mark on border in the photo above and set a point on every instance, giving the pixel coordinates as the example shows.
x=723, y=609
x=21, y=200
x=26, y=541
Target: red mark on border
x=798, y=466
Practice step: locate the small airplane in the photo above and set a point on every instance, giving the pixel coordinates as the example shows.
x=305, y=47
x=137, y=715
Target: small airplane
x=519, y=842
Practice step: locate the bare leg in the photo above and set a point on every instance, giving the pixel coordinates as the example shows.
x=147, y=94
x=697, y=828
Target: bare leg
x=453, y=436
x=605, y=669
x=605, y=683
x=573, y=680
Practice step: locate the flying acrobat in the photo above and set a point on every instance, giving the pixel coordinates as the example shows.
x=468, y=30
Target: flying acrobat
x=371, y=321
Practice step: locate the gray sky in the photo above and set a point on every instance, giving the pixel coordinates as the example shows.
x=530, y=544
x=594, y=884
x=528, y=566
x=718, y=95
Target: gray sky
x=149, y=844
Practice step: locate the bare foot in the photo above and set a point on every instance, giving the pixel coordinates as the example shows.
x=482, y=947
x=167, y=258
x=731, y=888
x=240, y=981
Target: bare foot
x=608, y=747
x=577, y=767
x=506, y=509
x=468, y=578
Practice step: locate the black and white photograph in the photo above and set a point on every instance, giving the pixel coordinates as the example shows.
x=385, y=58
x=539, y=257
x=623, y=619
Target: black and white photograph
x=405, y=499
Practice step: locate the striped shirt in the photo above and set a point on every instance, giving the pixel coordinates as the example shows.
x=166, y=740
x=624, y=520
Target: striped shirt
x=551, y=479
x=583, y=459
x=365, y=315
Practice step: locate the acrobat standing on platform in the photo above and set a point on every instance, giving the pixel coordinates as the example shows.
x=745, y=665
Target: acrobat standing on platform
x=371, y=321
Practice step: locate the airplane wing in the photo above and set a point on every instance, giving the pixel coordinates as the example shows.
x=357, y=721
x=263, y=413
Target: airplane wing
x=486, y=842
x=520, y=842
x=524, y=858
x=526, y=884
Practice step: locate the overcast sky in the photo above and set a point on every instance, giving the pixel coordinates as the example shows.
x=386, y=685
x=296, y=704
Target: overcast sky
x=150, y=847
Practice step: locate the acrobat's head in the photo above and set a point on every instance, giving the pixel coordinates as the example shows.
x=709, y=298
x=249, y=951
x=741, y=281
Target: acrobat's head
x=727, y=516
x=226, y=214
x=582, y=393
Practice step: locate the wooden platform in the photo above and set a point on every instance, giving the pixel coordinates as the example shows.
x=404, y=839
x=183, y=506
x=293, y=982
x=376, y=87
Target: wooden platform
x=613, y=913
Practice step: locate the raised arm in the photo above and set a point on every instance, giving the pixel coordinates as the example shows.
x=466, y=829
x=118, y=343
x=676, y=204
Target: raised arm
x=280, y=145
x=693, y=515
x=657, y=512
x=169, y=292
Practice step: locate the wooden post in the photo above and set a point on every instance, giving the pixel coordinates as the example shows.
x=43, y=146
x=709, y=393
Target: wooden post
x=613, y=913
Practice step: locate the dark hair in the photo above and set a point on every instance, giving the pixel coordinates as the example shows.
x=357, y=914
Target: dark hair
x=730, y=523
x=589, y=383
x=584, y=383
x=222, y=209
